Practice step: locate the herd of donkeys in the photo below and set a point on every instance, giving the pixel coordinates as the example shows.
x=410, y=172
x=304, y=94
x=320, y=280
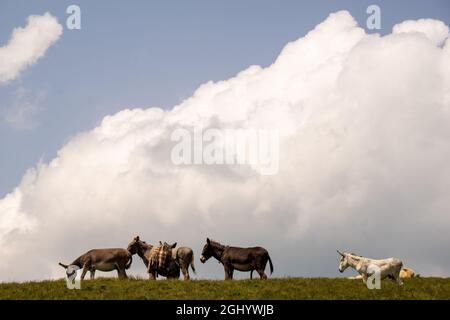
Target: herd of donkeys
x=168, y=260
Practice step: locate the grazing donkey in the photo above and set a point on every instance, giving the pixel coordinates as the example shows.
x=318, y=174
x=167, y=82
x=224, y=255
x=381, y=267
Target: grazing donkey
x=234, y=258
x=103, y=260
x=181, y=258
x=388, y=267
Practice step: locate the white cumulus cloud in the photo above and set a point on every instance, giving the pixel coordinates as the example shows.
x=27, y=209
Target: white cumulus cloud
x=434, y=30
x=27, y=45
x=364, y=124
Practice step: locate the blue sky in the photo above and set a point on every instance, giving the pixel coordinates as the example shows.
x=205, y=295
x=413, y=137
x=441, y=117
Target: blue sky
x=150, y=53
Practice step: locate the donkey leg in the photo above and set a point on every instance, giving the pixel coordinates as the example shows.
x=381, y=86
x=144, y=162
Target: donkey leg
x=184, y=269
x=85, y=270
x=251, y=274
x=262, y=274
x=185, y=272
x=92, y=274
x=151, y=274
x=231, y=271
x=122, y=273
x=228, y=273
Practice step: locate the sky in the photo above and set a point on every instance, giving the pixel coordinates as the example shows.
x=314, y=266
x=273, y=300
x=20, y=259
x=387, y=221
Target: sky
x=150, y=53
x=158, y=54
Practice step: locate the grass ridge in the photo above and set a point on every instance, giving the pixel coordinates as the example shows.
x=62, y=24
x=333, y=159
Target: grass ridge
x=272, y=289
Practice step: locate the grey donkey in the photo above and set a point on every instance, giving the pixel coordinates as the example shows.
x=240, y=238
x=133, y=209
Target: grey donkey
x=104, y=260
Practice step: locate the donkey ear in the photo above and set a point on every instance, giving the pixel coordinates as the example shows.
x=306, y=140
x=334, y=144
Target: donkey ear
x=160, y=243
x=208, y=241
x=340, y=253
x=174, y=245
x=136, y=238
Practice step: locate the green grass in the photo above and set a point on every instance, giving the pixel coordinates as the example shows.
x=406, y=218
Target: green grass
x=284, y=288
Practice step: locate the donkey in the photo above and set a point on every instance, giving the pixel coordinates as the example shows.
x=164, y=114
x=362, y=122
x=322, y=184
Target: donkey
x=104, y=260
x=235, y=258
x=144, y=250
x=181, y=258
x=389, y=268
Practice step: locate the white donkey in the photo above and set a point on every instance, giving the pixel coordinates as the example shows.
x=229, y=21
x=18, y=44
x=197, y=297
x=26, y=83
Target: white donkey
x=365, y=267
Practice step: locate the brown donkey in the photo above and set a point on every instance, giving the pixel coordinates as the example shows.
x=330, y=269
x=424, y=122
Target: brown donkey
x=235, y=258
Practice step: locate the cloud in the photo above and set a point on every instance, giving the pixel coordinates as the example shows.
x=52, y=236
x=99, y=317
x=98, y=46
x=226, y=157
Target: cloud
x=27, y=45
x=434, y=30
x=364, y=145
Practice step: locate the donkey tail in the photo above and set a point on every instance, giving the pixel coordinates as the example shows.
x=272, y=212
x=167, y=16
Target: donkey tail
x=128, y=265
x=65, y=266
x=270, y=264
x=192, y=264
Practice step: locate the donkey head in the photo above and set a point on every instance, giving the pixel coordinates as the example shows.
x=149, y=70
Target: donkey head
x=343, y=264
x=172, y=246
x=207, y=251
x=134, y=245
x=165, y=244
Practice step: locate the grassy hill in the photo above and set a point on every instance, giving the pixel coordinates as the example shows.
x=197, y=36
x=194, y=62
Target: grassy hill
x=284, y=288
